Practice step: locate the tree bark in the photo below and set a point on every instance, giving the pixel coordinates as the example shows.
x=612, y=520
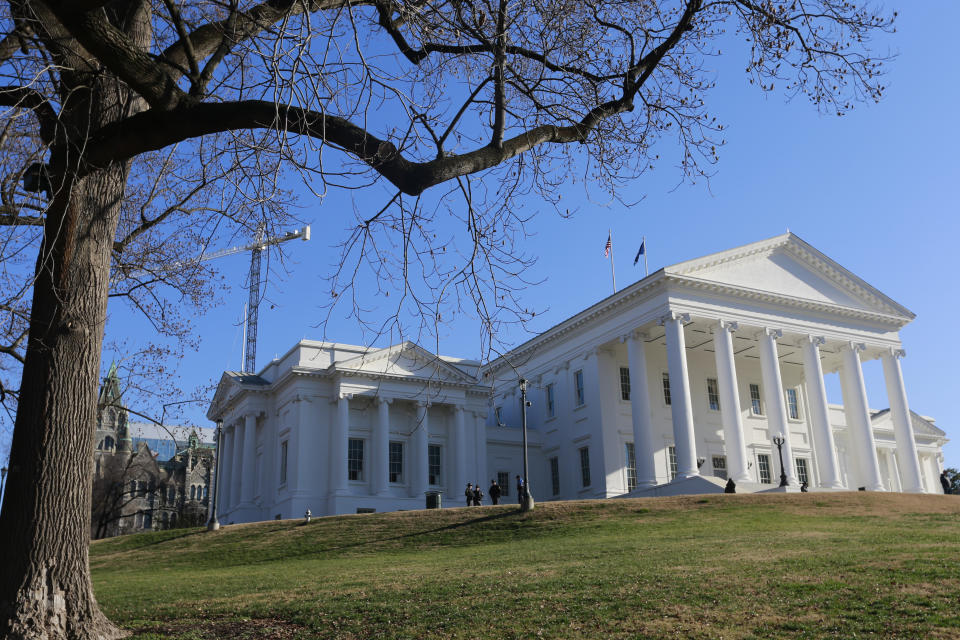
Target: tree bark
x=45, y=588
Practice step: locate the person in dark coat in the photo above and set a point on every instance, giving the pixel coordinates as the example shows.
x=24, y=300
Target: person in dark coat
x=494, y=492
x=520, y=490
x=477, y=495
x=731, y=486
x=469, y=494
x=945, y=482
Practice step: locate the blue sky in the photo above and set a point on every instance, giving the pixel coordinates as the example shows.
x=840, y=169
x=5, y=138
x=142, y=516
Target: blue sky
x=876, y=190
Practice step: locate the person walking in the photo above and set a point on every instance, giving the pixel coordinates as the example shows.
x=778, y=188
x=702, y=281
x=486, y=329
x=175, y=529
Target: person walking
x=469, y=494
x=494, y=492
x=520, y=490
x=477, y=495
x=945, y=482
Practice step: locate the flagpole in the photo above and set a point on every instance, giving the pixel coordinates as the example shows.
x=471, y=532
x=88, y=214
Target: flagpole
x=613, y=273
x=646, y=269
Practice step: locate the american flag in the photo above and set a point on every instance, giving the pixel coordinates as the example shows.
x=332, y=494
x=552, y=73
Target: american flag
x=606, y=249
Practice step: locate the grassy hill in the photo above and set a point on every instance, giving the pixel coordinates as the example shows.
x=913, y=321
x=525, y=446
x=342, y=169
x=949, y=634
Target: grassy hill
x=727, y=566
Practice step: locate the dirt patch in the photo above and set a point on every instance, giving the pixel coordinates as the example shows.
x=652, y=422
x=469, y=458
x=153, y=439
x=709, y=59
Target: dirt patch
x=267, y=629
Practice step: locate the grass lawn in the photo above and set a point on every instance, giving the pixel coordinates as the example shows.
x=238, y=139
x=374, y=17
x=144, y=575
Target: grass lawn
x=844, y=565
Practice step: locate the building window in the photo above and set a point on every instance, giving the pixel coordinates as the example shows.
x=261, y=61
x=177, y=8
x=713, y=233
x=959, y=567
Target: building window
x=498, y=414
x=720, y=466
x=283, y=462
x=802, y=475
x=396, y=462
x=713, y=394
x=624, y=383
x=755, y=406
x=193, y=492
x=355, y=459
x=578, y=386
x=555, y=475
x=108, y=443
x=148, y=520
x=763, y=466
x=585, y=466
x=171, y=494
x=672, y=459
x=503, y=479
x=551, y=407
x=631, y=466
x=793, y=406
x=666, y=389
x=133, y=488
x=433, y=463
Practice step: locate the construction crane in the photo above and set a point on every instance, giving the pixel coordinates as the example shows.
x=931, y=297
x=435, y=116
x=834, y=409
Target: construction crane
x=255, y=248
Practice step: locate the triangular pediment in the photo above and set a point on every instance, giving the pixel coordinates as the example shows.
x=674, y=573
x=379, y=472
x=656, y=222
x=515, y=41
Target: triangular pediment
x=789, y=267
x=408, y=360
x=232, y=383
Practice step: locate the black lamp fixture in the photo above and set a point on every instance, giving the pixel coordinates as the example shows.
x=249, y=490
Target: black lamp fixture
x=778, y=440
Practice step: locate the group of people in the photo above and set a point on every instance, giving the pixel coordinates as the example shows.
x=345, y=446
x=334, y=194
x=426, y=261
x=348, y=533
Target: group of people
x=474, y=494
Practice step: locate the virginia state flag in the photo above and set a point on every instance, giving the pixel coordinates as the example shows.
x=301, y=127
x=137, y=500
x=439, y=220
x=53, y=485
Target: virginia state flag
x=643, y=249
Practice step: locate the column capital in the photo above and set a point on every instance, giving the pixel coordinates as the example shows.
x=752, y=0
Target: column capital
x=776, y=334
x=636, y=334
x=856, y=347
x=812, y=339
x=424, y=404
x=458, y=408
x=725, y=325
x=673, y=315
x=383, y=400
x=899, y=354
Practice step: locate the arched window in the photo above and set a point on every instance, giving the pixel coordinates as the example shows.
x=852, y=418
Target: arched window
x=173, y=519
x=165, y=519
x=193, y=492
x=108, y=444
x=148, y=520
x=133, y=487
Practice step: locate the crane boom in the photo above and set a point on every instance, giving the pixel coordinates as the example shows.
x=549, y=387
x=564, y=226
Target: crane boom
x=260, y=242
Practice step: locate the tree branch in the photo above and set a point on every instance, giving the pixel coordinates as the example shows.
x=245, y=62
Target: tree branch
x=27, y=98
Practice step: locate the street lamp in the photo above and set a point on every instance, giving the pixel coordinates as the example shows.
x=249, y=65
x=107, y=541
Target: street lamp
x=527, y=503
x=778, y=440
x=213, y=523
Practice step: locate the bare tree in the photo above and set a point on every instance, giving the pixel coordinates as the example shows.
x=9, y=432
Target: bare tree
x=222, y=100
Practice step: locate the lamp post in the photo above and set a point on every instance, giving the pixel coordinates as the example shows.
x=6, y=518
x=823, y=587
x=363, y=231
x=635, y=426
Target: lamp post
x=214, y=524
x=778, y=440
x=527, y=503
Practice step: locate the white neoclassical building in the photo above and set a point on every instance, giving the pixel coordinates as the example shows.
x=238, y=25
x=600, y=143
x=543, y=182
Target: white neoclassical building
x=673, y=385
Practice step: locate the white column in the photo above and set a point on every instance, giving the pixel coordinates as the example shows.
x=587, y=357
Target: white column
x=226, y=471
x=857, y=412
x=247, y=474
x=773, y=396
x=681, y=405
x=819, y=414
x=420, y=442
x=902, y=424
x=643, y=446
x=730, y=401
x=338, y=446
x=237, y=471
x=380, y=449
x=458, y=476
x=480, y=424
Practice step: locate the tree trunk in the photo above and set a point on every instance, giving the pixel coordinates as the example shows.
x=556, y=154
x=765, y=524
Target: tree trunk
x=45, y=588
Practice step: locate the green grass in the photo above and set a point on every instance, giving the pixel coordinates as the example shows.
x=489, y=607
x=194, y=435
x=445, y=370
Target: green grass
x=785, y=566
